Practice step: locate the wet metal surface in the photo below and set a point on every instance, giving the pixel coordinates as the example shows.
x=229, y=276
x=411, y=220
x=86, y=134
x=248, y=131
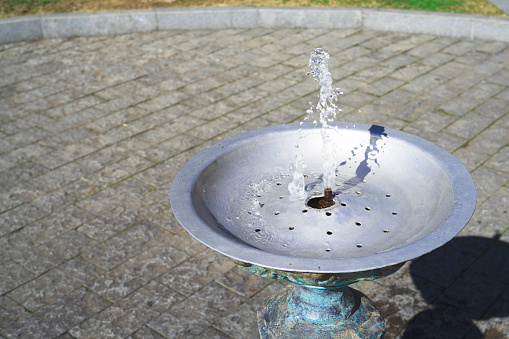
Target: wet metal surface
x=397, y=197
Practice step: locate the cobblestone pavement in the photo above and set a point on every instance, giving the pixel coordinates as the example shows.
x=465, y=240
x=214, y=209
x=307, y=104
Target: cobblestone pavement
x=93, y=131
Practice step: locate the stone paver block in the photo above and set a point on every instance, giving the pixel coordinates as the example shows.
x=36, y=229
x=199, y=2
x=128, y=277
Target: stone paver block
x=469, y=125
x=54, y=284
x=193, y=274
x=196, y=313
x=500, y=161
x=57, y=318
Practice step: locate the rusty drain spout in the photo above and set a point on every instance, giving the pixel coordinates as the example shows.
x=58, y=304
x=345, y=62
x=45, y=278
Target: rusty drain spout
x=327, y=200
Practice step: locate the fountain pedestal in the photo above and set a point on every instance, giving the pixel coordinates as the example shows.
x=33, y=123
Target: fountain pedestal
x=315, y=312
x=319, y=305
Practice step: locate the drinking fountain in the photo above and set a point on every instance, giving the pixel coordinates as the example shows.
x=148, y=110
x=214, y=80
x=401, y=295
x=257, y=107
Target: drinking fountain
x=394, y=198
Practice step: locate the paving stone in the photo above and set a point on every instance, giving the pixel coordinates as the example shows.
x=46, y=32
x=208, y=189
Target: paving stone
x=241, y=323
x=164, y=172
x=73, y=107
x=146, y=333
x=173, y=127
x=123, y=246
x=469, y=125
x=499, y=161
x=488, y=181
x=493, y=108
x=138, y=271
x=476, y=304
x=17, y=276
x=192, y=275
x=111, y=223
x=114, y=321
x=57, y=318
x=357, y=99
x=170, y=148
x=213, y=334
x=500, y=78
x=18, y=195
x=196, y=313
x=65, y=196
x=431, y=122
x=124, y=193
x=10, y=312
x=57, y=178
x=23, y=172
x=55, y=252
x=459, y=105
x=116, y=172
x=470, y=157
x=55, y=284
x=19, y=217
x=110, y=154
x=242, y=282
x=493, y=323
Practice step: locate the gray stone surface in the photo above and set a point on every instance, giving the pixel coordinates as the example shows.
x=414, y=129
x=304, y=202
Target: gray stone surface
x=163, y=19
x=26, y=28
x=502, y=4
x=101, y=23
x=93, y=131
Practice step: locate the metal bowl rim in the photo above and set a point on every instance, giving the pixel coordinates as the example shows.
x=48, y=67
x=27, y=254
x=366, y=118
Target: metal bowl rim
x=464, y=201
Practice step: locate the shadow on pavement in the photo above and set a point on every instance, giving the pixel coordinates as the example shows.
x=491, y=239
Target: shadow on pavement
x=473, y=273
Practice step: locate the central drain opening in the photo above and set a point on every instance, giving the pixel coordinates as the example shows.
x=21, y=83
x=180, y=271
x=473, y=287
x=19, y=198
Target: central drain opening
x=322, y=202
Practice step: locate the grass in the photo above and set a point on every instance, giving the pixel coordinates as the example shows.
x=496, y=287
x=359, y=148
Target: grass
x=9, y=8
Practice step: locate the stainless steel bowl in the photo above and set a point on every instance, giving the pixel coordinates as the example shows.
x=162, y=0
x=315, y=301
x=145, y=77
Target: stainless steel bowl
x=397, y=197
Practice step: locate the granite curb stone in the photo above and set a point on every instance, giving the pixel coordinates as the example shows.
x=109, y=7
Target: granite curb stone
x=161, y=19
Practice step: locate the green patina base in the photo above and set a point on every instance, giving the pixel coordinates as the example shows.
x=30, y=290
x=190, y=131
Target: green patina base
x=299, y=311
x=319, y=305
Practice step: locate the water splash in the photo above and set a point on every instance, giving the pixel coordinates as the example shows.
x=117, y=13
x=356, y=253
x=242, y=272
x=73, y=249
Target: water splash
x=326, y=107
x=297, y=185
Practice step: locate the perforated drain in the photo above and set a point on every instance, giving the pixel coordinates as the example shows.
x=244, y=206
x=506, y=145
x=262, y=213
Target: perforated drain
x=351, y=222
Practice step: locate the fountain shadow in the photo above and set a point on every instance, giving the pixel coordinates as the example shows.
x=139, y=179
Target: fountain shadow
x=473, y=273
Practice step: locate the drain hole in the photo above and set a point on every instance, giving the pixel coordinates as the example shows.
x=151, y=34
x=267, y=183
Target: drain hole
x=367, y=208
x=304, y=211
x=277, y=213
x=343, y=204
x=315, y=202
x=394, y=213
x=328, y=214
x=257, y=230
x=388, y=195
x=386, y=231
x=329, y=232
x=279, y=184
x=359, y=245
x=327, y=250
x=291, y=228
x=358, y=223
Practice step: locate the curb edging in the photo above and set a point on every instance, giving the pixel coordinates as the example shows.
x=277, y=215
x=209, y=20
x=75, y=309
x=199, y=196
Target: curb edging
x=67, y=25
